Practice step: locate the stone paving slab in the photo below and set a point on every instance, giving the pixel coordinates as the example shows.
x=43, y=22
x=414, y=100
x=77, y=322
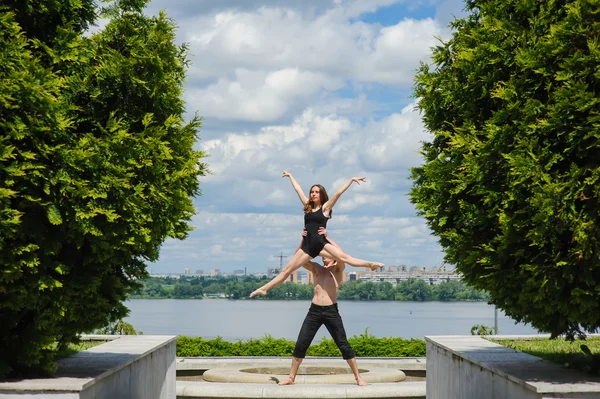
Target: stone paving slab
x=197, y=390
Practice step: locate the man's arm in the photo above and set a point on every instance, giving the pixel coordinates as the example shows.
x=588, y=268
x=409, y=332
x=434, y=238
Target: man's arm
x=338, y=266
x=310, y=266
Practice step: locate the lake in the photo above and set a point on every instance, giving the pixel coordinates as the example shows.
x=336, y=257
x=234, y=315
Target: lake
x=243, y=319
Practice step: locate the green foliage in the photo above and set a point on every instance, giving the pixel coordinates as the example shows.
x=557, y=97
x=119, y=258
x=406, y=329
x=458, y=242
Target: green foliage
x=572, y=354
x=184, y=289
x=365, y=345
x=266, y=346
x=241, y=287
x=481, y=329
x=414, y=290
x=510, y=179
x=119, y=328
x=97, y=168
x=73, y=348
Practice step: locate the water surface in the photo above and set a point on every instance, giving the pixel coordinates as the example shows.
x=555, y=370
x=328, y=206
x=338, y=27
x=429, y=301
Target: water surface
x=245, y=319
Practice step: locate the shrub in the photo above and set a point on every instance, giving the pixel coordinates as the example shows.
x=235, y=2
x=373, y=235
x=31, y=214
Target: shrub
x=365, y=345
x=510, y=182
x=97, y=168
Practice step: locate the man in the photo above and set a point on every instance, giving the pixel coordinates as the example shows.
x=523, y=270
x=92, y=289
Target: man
x=323, y=310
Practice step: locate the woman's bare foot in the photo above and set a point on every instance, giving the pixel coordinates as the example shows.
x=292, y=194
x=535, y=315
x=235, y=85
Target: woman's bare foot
x=375, y=265
x=288, y=381
x=361, y=382
x=259, y=291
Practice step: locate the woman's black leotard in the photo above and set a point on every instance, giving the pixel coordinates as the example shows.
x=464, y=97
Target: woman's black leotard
x=314, y=242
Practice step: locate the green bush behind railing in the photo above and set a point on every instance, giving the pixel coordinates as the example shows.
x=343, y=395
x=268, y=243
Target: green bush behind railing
x=364, y=345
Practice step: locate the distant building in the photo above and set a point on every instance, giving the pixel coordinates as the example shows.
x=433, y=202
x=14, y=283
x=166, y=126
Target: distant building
x=414, y=269
x=310, y=279
x=239, y=272
x=399, y=268
x=431, y=278
x=213, y=296
x=167, y=275
x=199, y=272
x=296, y=277
x=186, y=272
x=215, y=272
x=273, y=271
x=441, y=268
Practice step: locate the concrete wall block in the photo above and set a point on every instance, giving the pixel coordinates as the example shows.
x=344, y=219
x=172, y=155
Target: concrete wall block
x=127, y=367
x=470, y=367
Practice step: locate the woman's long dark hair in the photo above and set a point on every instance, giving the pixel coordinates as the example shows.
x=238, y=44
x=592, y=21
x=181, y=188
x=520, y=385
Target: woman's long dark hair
x=309, y=206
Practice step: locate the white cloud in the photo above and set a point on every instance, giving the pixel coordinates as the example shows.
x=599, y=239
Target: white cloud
x=396, y=52
x=236, y=240
x=304, y=86
x=272, y=39
x=358, y=200
x=259, y=95
x=269, y=63
x=216, y=249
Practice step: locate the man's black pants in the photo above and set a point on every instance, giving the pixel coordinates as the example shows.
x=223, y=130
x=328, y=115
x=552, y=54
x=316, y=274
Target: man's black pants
x=316, y=317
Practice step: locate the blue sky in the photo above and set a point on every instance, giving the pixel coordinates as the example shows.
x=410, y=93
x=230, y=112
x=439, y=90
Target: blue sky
x=322, y=89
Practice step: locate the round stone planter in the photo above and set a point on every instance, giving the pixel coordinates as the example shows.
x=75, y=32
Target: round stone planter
x=306, y=375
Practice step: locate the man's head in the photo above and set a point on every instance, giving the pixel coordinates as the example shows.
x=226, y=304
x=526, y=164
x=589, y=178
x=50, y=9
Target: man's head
x=327, y=261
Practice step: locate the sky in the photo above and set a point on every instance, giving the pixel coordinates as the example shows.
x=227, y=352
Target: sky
x=323, y=90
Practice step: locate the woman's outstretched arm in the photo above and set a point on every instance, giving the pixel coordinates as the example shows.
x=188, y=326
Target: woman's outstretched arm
x=329, y=204
x=296, y=187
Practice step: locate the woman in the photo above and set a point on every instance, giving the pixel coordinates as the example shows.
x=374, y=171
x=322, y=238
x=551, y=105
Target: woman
x=317, y=211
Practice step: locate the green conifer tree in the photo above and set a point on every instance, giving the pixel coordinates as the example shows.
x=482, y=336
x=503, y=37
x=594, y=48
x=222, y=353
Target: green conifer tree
x=97, y=167
x=510, y=182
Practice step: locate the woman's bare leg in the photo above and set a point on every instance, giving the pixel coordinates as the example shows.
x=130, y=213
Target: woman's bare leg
x=339, y=255
x=298, y=259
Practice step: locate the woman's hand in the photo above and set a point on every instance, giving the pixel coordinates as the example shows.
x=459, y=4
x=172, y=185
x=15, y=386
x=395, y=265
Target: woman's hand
x=286, y=174
x=322, y=231
x=304, y=233
x=358, y=179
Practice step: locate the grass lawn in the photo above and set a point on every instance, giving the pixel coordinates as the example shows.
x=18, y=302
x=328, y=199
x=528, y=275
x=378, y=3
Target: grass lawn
x=74, y=348
x=569, y=354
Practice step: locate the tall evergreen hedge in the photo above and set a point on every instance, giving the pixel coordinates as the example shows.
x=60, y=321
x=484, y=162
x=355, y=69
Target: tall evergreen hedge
x=510, y=180
x=97, y=167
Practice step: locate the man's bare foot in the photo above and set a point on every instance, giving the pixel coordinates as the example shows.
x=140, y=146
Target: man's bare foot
x=287, y=381
x=259, y=291
x=375, y=265
x=361, y=382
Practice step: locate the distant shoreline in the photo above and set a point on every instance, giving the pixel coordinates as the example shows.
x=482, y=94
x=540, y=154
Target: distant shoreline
x=303, y=299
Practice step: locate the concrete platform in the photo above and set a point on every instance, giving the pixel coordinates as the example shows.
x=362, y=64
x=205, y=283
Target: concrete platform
x=205, y=390
x=214, y=390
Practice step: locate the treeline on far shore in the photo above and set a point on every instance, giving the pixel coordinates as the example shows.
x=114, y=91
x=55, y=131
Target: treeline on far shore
x=241, y=287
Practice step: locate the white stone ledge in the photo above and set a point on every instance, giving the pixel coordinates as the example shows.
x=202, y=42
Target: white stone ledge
x=140, y=366
x=467, y=366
